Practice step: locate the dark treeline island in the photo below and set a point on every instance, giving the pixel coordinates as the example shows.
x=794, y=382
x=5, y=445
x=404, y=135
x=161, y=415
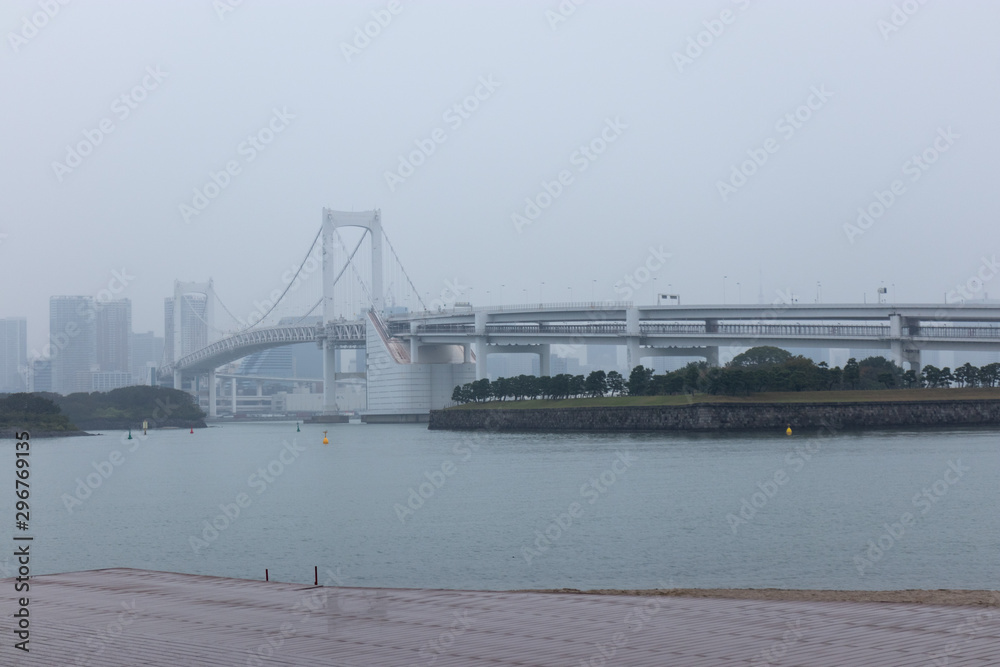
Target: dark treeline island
x=759, y=369
x=128, y=407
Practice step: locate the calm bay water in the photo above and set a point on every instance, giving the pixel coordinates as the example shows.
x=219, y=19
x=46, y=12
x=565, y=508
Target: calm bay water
x=400, y=506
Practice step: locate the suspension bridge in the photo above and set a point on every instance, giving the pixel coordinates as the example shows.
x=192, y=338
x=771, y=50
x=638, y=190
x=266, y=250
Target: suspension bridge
x=415, y=355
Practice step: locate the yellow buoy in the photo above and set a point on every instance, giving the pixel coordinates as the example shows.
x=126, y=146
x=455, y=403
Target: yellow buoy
x=788, y=431
x=326, y=441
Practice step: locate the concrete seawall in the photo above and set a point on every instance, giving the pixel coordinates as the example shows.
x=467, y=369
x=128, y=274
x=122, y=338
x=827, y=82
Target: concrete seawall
x=723, y=416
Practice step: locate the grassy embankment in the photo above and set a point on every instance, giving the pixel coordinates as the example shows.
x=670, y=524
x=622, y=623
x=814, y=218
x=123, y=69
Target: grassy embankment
x=847, y=396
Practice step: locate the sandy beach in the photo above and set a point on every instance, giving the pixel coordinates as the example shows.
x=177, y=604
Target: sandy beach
x=938, y=597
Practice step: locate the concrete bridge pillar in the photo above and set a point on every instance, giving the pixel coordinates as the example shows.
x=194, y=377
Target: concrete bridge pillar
x=212, y=410
x=466, y=354
x=329, y=377
x=481, y=344
x=481, y=371
x=545, y=360
x=712, y=351
x=178, y=380
x=632, y=338
x=233, y=386
x=414, y=344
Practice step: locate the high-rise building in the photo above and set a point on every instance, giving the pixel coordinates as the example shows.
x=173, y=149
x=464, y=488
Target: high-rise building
x=13, y=354
x=113, y=336
x=41, y=375
x=72, y=338
x=147, y=351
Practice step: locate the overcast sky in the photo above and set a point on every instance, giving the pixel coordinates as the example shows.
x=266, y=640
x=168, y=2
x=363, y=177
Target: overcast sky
x=867, y=87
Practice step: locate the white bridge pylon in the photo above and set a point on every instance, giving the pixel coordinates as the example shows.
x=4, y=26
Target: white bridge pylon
x=332, y=221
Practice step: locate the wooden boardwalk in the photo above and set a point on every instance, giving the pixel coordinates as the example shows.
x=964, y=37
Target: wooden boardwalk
x=124, y=617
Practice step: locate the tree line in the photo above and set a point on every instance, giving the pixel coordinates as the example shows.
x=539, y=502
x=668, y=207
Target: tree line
x=24, y=411
x=759, y=369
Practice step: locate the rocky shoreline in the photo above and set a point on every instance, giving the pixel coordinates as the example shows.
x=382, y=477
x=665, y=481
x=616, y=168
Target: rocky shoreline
x=831, y=416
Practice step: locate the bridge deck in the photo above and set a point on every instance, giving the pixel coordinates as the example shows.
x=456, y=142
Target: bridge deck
x=128, y=617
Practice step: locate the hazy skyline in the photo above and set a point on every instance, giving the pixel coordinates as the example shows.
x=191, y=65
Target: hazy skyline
x=614, y=111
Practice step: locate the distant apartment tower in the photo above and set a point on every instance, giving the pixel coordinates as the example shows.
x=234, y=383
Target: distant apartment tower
x=147, y=352
x=72, y=338
x=13, y=354
x=114, y=337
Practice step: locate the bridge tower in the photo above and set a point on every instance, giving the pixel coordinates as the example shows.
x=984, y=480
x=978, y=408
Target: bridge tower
x=190, y=325
x=332, y=221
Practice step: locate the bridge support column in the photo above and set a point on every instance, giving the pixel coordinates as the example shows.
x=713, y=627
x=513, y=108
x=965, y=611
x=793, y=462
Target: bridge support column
x=633, y=341
x=466, y=354
x=233, y=385
x=712, y=355
x=545, y=360
x=178, y=380
x=414, y=344
x=329, y=377
x=481, y=371
x=212, y=410
x=480, y=327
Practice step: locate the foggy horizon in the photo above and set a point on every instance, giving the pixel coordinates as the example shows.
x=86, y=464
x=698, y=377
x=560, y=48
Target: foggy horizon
x=820, y=151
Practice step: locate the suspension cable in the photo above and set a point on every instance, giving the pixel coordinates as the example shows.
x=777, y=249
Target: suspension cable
x=289, y=285
x=403, y=269
x=356, y=272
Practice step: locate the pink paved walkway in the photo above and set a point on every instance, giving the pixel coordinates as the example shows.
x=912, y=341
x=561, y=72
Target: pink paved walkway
x=136, y=617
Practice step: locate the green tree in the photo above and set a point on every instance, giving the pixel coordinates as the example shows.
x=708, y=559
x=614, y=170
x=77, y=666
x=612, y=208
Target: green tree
x=640, y=381
x=852, y=373
x=597, y=383
x=616, y=383
x=763, y=355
